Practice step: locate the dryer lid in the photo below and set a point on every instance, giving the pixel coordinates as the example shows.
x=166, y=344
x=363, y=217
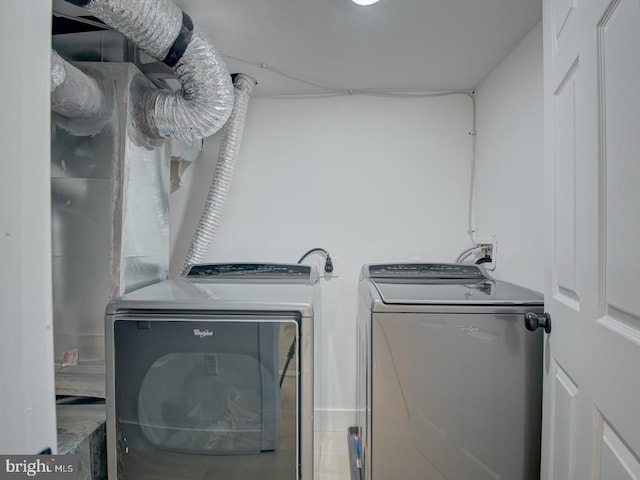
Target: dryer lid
x=248, y=287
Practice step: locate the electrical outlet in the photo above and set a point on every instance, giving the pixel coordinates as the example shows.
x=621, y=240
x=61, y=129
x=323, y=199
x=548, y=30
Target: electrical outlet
x=489, y=248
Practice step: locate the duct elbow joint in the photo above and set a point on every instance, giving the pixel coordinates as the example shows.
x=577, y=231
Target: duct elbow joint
x=160, y=28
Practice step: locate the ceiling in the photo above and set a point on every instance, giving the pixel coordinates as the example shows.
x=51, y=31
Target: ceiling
x=320, y=46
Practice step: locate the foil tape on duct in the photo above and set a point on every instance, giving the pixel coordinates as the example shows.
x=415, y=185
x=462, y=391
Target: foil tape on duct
x=223, y=174
x=203, y=104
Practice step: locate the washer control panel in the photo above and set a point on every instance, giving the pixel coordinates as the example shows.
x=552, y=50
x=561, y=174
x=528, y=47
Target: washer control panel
x=426, y=270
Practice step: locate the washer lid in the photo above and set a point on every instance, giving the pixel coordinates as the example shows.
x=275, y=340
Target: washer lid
x=489, y=292
x=436, y=272
x=444, y=284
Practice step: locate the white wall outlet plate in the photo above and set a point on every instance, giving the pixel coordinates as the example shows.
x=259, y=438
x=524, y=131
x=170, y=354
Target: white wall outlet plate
x=489, y=247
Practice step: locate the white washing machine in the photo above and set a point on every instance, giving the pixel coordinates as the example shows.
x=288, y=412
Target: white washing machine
x=449, y=380
x=211, y=375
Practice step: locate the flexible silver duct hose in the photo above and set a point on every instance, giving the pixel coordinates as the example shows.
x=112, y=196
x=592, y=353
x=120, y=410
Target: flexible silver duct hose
x=57, y=70
x=223, y=174
x=74, y=94
x=203, y=104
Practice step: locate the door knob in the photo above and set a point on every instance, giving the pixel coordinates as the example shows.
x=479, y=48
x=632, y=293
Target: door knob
x=532, y=322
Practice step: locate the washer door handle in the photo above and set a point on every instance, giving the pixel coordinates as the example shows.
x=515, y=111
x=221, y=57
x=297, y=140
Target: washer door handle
x=532, y=322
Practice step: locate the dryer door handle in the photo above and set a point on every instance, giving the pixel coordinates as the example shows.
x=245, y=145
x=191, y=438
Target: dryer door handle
x=532, y=322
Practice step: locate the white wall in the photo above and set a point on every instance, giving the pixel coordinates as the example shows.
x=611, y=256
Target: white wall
x=27, y=397
x=509, y=168
x=369, y=179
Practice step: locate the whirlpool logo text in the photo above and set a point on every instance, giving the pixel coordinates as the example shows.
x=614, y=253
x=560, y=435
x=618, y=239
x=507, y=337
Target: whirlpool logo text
x=202, y=333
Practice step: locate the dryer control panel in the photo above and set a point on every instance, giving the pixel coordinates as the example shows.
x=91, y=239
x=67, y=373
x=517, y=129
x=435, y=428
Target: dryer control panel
x=446, y=271
x=250, y=270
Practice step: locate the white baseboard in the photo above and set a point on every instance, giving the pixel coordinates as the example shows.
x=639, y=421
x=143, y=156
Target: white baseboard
x=329, y=420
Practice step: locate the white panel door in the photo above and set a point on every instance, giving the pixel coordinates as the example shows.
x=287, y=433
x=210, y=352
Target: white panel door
x=591, y=426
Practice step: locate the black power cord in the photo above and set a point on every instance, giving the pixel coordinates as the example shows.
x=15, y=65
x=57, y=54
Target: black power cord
x=328, y=264
x=485, y=259
x=290, y=355
x=328, y=267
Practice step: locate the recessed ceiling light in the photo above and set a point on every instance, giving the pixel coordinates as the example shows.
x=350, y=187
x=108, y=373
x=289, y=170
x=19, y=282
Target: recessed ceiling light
x=365, y=3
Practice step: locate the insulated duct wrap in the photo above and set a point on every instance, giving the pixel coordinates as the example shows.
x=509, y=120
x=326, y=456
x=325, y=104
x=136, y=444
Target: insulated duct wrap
x=74, y=94
x=203, y=104
x=57, y=70
x=223, y=174
x=152, y=25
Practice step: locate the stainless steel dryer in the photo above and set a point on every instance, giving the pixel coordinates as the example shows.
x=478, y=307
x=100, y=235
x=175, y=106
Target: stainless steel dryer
x=449, y=380
x=211, y=375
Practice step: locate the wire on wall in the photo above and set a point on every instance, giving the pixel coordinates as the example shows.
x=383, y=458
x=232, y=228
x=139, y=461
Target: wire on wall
x=472, y=180
x=467, y=253
x=333, y=90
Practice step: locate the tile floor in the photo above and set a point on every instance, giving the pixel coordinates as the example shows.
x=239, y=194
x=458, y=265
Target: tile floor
x=331, y=456
x=77, y=423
